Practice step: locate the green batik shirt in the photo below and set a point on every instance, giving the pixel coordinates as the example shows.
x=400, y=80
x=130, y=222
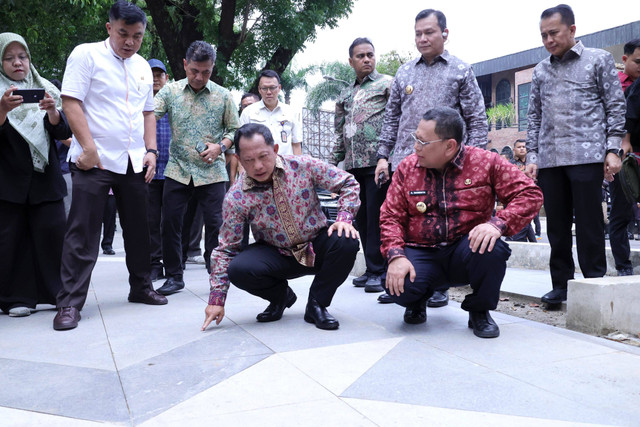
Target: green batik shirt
x=358, y=120
x=207, y=116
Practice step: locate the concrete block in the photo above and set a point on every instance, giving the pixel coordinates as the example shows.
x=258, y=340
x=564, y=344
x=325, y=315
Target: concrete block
x=603, y=305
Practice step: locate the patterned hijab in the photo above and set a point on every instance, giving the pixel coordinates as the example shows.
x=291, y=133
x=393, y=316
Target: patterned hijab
x=27, y=119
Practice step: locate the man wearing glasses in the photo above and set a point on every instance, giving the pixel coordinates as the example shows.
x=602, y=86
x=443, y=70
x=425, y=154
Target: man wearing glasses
x=283, y=122
x=437, y=223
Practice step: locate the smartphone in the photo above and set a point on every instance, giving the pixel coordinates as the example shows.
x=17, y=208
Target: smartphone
x=201, y=146
x=30, y=96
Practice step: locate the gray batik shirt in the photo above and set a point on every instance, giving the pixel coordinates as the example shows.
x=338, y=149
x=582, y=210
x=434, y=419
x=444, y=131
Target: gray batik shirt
x=418, y=87
x=576, y=109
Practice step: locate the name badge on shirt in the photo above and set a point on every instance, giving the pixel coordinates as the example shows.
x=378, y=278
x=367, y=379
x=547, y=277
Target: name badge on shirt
x=418, y=193
x=283, y=134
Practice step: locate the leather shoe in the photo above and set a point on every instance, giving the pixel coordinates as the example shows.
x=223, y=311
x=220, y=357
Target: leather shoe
x=438, y=299
x=157, y=273
x=148, y=296
x=67, y=318
x=483, y=325
x=416, y=314
x=108, y=251
x=385, y=299
x=315, y=313
x=374, y=284
x=274, y=310
x=625, y=272
x=360, y=282
x=556, y=296
x=171, y=286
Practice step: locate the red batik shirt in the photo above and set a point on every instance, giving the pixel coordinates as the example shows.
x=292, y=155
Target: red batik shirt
x=454, y=201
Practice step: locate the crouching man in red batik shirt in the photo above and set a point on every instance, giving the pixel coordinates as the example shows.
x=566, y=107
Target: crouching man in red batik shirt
x=437, y=225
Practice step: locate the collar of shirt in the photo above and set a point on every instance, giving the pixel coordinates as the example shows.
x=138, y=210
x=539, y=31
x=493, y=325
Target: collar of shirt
x=208, y=87
x=260, y=106
x=373, y=76
x=249, y=183
x=574, y=52
x=457, y=161
x=107, y=44
x=444, y=57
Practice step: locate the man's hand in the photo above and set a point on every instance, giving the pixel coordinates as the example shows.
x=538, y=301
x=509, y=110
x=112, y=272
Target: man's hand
x=612, y=165
x=483, y=236
x=396, y=273
x=340, y=226
x=531, y=170
x=211, y=313
x=382, y=166
x=88, y=159
x=150, y=162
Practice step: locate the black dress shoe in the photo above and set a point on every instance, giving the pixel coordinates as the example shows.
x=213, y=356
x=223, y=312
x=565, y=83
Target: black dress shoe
x=67, y=318
x=556, y=296
x=416, y=314
x=385, y=299
x=361, y=281
x=483, y=325
x=157, y=273
x=315, y=313
x=108, y=251
x=438, y=299
x=148, y=296
x=274, y=310
x=374, y=284
x=171, y=286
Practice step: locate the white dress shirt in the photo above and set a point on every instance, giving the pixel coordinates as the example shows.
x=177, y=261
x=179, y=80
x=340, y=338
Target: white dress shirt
x=283, y=122
x=114, y=93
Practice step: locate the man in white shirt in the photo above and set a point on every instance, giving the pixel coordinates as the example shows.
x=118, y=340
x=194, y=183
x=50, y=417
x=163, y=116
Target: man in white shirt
x=283, y=122
x=107, y=95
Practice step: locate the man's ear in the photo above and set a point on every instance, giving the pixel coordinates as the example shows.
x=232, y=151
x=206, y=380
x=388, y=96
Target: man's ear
x=276, y=147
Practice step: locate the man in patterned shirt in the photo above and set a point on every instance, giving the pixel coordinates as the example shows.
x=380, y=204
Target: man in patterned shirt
x=358, y=119
x=434, y=79
x=576, y=125
x=203, y=119
x=277, y=198
x=437, y=225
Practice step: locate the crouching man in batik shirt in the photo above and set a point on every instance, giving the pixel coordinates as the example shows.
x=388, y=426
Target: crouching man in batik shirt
x=277, y=197
x=437, y=226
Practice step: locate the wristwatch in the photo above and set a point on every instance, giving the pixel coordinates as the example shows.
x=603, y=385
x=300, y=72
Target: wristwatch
x=617, y=151
x=151, y=150
x=223, y=147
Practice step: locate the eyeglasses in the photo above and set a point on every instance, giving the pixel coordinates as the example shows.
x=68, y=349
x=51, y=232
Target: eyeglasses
x=423, y=143
x=269, y=88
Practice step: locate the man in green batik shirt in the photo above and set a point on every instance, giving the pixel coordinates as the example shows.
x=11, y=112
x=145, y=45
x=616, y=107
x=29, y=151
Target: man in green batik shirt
x=358, y=120
x=203, y=119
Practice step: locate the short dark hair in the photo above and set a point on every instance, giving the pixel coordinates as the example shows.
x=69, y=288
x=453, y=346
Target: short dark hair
x=200, y=51
x=128, y=12
x=269, y=74
x=250, y=95
x=250, y=129
x=631, y=47
x=57, y=83
x=565, y=11
x=507, y=151
x=520, y=140
x=358, y=42
x=442, y=20
x=449, y=123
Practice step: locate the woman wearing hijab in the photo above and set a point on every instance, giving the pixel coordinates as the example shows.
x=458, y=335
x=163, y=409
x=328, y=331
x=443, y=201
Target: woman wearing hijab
x=32, y=218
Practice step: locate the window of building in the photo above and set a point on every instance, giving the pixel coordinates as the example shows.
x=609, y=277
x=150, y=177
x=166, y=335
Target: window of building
x=503, y=92
x=523, y=105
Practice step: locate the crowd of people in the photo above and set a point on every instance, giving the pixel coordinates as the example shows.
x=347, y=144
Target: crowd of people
x=417, y=185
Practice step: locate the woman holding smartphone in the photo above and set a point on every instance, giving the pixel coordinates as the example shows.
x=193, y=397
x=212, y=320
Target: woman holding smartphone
x=32, y=218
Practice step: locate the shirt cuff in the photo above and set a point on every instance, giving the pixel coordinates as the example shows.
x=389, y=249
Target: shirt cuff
x=614, y=143
x=344, y=217
x=499, y=224
x=217, y=298
x=395, y=253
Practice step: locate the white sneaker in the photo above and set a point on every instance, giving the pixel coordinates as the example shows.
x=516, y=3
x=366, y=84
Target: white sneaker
x=19, y=312
x=198, y=259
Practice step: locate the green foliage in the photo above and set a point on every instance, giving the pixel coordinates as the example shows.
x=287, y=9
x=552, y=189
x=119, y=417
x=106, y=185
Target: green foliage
x=502, y=115
x=328, y=90
x=388, y=63
x=291, y=80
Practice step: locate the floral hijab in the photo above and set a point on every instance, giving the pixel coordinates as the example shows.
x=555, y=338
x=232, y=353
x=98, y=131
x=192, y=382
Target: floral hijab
x=27, y=119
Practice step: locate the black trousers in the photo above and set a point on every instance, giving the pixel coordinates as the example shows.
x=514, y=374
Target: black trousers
x=30, y=249
x=154, y=217
x=109, y=223
x=192, y=229
x=263, y=271
x=82, y=239
x=368, y=218
x=621, y=216
x=436, y=268
x=175, y=199
x=570, y=190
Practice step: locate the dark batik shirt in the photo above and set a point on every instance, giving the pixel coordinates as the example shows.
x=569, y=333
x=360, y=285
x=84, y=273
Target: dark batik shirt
x=418, y=87
x=358, y=121
x=576, y=109
x=163, y=140
x=454, y=201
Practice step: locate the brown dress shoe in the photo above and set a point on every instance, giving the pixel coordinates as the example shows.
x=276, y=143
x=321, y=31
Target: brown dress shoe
x=67, y=318
x=148, y=296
